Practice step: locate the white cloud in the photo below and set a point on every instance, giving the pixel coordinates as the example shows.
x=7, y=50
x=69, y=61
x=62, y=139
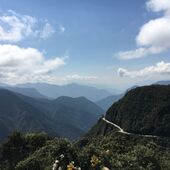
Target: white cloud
x=15, y=27
x=139, y=53
x=154, y=36
x=62, y=29
x=19, y=65
x=161, y=68
x=47, y=31
x=155, y=33
x=80, y=77
x=159, y=5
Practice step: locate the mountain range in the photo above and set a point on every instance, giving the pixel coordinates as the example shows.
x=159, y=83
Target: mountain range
x=141, y=110
x=71, y=90
x=134, y=134
x=31, y=92
x=63, y=117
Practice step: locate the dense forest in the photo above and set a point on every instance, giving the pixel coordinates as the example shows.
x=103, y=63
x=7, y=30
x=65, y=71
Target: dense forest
x=143, y=110
x=37, y=151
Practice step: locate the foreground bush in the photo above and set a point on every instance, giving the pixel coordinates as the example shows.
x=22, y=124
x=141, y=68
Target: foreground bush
x=37, y=151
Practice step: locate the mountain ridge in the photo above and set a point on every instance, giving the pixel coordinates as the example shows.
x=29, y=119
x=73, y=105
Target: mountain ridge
x=143, y=110
x=71, y=90
x=31, y=92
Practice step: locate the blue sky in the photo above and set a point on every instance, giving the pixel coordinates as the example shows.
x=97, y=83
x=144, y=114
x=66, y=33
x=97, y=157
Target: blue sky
x=106, y=43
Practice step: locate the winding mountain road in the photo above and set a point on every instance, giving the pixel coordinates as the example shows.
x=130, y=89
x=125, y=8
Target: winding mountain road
x=124, y=132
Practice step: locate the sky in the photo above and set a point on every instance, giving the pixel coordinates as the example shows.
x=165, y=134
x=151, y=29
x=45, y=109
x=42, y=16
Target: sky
x=104, y=43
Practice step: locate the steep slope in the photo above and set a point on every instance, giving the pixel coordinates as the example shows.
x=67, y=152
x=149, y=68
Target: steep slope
x=71, y=90
x=144, y=110
x=16, y=114
x=108, y=101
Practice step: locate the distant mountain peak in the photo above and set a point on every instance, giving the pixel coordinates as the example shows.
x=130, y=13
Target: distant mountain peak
x=71, y=90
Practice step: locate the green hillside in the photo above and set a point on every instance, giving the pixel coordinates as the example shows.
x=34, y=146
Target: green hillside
x=143, y=110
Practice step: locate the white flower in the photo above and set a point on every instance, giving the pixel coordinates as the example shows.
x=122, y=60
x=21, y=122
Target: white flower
x=54, y=166
x=57, y=161
x=105, y=168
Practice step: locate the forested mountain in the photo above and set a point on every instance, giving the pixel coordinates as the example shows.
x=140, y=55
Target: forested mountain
x=61, y=117
x=143, y=110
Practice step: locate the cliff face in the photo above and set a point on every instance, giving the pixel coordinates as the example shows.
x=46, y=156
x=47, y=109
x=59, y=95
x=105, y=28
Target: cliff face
x=143, y=110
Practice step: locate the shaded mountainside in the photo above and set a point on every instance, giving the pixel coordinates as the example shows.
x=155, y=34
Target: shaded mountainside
x=79, y=112
x=143, y=110
x=16, y=114
x=71, y=90
x=64, y=117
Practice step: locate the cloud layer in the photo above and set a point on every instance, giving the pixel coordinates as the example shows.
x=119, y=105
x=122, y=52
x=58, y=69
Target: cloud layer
x=154, y=36
x=18, y=65
x=161, y=68
x=79, y=77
